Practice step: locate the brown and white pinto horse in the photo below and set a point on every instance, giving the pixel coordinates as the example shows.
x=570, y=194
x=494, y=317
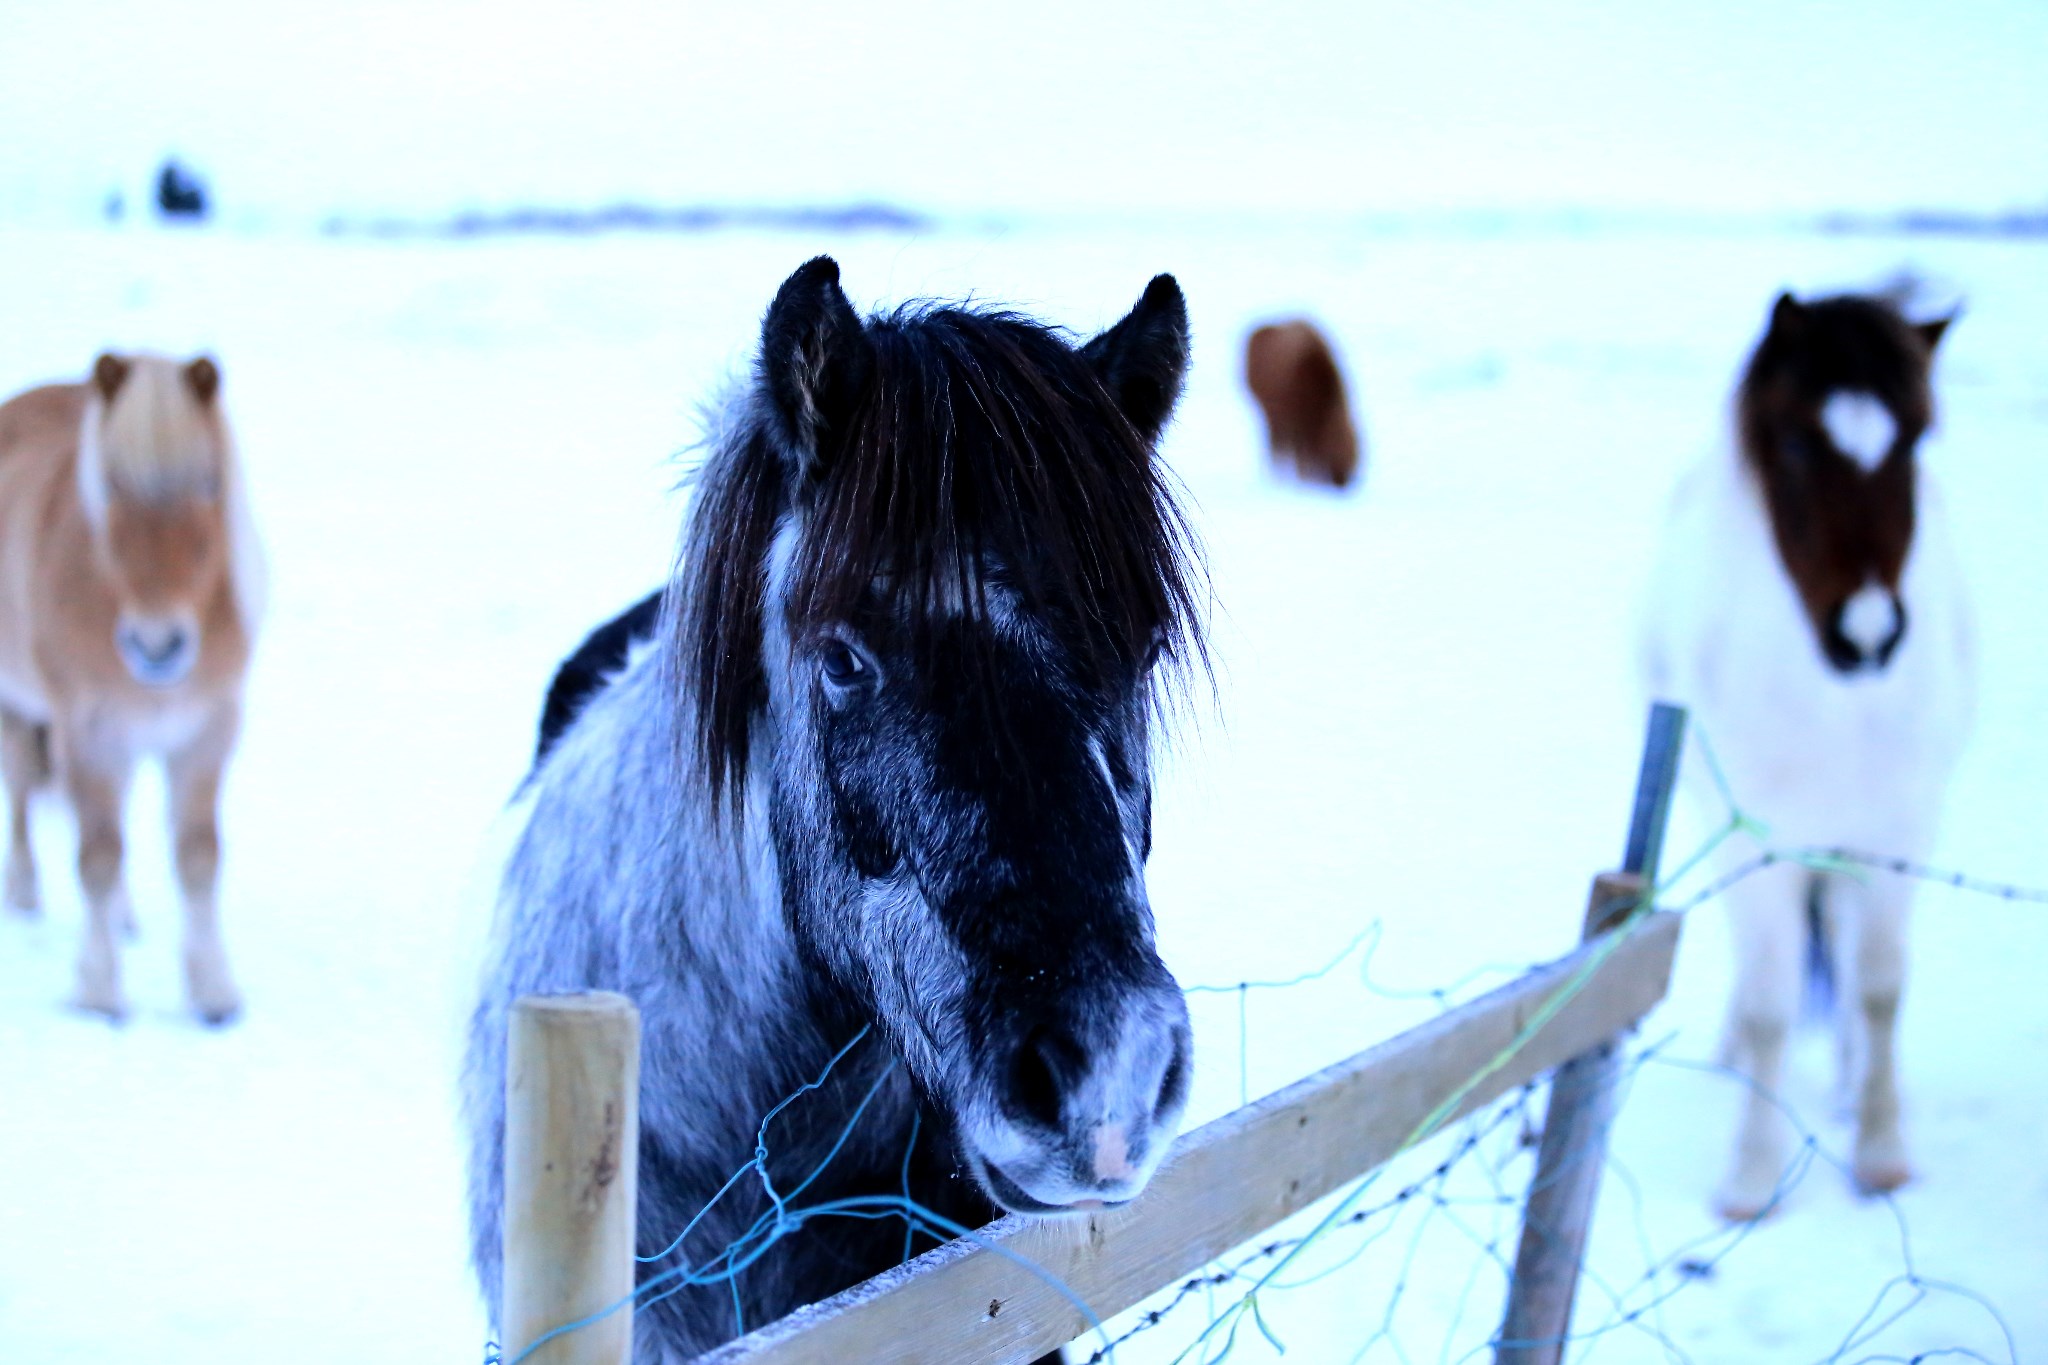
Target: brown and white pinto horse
x=130, y=586
x=1293, y=374
x=1809, y=609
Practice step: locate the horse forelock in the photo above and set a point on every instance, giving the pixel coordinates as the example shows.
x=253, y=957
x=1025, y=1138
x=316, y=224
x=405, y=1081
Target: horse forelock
x=986, y=467
x=157, y=440
x=1829, y=414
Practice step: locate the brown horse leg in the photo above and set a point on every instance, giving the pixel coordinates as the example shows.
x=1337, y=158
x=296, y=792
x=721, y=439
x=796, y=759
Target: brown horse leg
x=96, y=777
x=25, y=767
x=195, y=775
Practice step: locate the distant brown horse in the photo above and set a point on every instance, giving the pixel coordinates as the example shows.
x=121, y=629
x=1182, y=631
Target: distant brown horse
x=130, y=586
x=1292, y=372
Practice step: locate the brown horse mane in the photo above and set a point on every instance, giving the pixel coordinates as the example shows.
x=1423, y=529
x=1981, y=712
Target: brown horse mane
x=160, y=435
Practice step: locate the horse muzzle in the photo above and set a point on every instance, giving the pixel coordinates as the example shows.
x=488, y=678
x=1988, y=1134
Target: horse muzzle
x=158, y=651
x=1084, y=1115
x=1863, y=633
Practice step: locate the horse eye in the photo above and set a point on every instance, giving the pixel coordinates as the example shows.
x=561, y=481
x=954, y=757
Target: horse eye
x=841, y=666
x=1154, y=649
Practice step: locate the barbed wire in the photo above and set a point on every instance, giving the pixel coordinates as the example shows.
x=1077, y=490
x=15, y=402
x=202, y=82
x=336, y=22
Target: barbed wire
x=1852, y=862
x=1634, y=1307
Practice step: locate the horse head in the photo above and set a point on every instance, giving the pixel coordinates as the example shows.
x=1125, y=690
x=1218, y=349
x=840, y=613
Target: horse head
x=1831, y=412
x=933, y=588
x=153, y=468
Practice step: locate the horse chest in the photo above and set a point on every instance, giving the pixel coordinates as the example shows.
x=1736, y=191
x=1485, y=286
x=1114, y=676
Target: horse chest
x=155, y=727
x=1818, y=754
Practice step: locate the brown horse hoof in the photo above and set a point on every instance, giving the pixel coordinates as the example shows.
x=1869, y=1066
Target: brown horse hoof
x=219, y=1016
x=211, y=990
x=113, y=1009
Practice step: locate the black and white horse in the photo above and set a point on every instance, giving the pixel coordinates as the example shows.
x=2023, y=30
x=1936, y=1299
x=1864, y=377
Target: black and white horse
x=884, y=766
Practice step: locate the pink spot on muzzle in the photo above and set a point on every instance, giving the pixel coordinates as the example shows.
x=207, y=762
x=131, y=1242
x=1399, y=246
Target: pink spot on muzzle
x=1113, y=1153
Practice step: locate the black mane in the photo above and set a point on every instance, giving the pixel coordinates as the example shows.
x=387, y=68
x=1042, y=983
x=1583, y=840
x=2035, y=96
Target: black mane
x=978, y=440
x=601, y=655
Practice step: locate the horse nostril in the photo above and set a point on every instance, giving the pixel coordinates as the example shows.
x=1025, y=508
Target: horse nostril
x=1868, y=626
x=1035, y=1075
x=156, y=650
x=1173, y=1086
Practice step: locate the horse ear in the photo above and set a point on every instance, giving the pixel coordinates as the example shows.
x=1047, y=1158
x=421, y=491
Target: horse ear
x=109, y=373
x=202, y=376
x=1143, y=359
x=1788, y=314
x=1933, y=332
x=815, y=360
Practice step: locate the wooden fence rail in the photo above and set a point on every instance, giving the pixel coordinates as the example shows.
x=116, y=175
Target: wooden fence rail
x=1226, y=1182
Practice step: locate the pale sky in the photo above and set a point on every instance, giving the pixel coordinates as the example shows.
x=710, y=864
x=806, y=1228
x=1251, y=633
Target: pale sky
x=1059, y=105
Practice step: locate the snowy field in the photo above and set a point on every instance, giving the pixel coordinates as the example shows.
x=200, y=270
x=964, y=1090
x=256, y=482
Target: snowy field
x=462, y=457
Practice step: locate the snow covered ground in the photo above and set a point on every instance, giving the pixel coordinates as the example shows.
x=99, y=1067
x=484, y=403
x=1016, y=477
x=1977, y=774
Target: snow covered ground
x=460, y=456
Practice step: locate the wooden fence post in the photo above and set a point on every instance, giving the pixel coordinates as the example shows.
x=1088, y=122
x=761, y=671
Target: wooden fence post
x=1559, y=1212
x=572, y=1159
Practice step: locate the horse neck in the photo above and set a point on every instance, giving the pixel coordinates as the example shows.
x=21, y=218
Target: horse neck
x=669, y=899
x=248, y=570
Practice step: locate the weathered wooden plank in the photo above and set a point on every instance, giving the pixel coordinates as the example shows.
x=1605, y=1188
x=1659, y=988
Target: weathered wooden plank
x=1226, y=1182
x=572, y=1160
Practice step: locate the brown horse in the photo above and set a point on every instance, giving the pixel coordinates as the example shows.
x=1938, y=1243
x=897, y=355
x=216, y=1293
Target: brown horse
x=130, y=586
x=1292, y=372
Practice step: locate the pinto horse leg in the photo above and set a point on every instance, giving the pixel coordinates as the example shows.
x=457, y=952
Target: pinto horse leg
x=1877, y=978
x=195, y=775
x=1767, y=920
x=25, y=767
x=96, y=778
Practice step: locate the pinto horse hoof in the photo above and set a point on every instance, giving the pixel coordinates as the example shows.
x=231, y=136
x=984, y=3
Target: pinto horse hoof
x=1732, y=1211
x=1876, y=1178
x=1741, y=1202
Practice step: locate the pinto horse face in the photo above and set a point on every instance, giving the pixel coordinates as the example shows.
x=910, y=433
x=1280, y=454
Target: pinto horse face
x=1830, y=413
x=971, y=578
